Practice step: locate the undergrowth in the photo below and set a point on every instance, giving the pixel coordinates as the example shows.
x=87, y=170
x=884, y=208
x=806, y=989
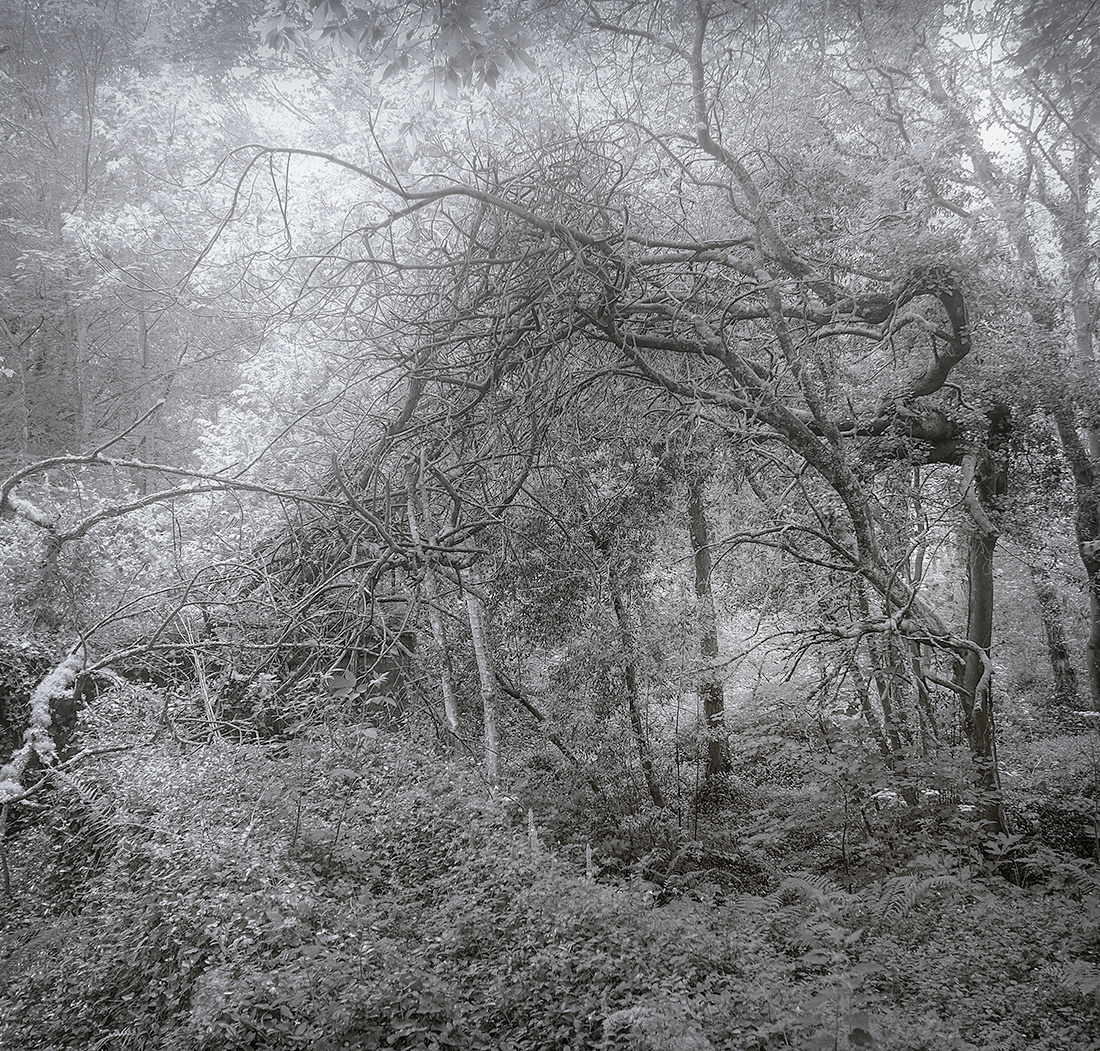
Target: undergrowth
x=349, y=892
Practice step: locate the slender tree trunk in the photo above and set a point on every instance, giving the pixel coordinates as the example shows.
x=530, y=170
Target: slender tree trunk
x=79, y=359
x=417, y=513
x=916, y=665
x=69, y=385
x=1079, y=253
x=926, y=708
x=148, y=395
x=47, y=597
x=920, y=527
x=1092, y=566
x=882, y=676
x=154, y=371
x=476, y=612
x=887, y=675
x=446, y=674
x=5, y=873
x=710, y=685
x=870, y=717
x=23, y=419
x=885, y=678
x=629, y=644
x=72, y=349
x=1061, y=660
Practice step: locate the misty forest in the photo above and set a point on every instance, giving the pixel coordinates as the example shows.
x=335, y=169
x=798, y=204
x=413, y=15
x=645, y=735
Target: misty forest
x=549, y=524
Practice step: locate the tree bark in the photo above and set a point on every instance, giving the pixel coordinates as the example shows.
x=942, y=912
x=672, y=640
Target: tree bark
x=1079, y=254
x=14, y=416
x=863, y=694
x=416, y=514
x=982, y=480
x=46, y=600
x=71, y=349
x=974, y=679
x=1066, y=693
x=476, y=612
x=629, y=644
x=884, y=678
x=148, y=445
x=1094, y=633
x=1086, y=524
x=710, y=685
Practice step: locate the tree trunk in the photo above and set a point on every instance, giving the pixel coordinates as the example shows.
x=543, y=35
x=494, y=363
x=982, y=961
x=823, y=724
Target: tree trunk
x=710, y=685
x=1086, y=524
x=1083, y=456
x=79, y=358
x=863, y=693
x=886, y=733
x=1061, y=661
x=982, y=480
x=885, y=675
x=1080, y=253
x=46, y=600
x=14, y=418
x=446, y=674
x=71, y=349
x=417, y=513
x=629, y=645
x=926, y=706
x=1093, y=568
x=148, y=392
x=476, y=611
x=974, y=677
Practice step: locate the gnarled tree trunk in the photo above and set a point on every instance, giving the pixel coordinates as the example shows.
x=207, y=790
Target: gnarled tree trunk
x=1066, y=694
x=983, y=481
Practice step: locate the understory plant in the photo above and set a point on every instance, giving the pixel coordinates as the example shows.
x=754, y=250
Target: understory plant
x=345, y=890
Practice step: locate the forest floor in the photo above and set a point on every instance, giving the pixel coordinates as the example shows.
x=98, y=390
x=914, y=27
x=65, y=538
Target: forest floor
x=346, y=890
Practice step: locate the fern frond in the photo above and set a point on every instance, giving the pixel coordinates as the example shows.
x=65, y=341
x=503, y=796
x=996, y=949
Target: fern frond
x=811, y=888
x=901, y=894
x=1082, y=976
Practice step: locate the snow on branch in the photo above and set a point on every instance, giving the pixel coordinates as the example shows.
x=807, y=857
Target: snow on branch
x=37, y=739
